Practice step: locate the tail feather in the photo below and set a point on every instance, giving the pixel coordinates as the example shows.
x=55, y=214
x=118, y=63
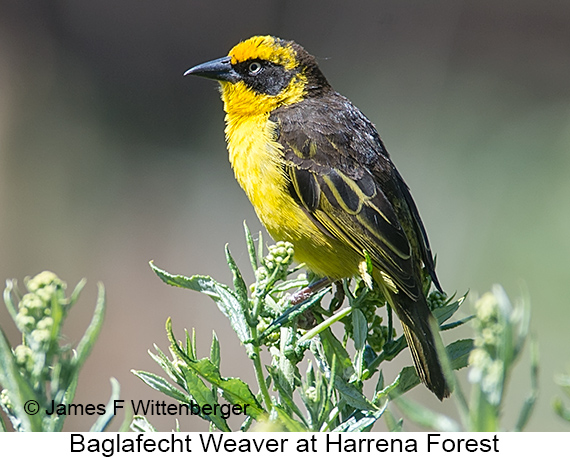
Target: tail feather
x=416, y=318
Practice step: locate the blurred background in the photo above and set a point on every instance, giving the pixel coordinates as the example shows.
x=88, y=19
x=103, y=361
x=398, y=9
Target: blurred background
x=110, y=158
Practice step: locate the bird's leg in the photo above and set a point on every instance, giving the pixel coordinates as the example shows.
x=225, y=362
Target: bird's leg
x=307, y=319
x=300, y=304
x=306, y=292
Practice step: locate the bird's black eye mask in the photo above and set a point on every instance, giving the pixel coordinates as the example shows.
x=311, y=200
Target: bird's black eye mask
x=264, y=77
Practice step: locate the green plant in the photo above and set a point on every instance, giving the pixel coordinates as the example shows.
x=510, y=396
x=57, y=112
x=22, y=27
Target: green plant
x=563, y=380
x=331, y=387
x=40, y=373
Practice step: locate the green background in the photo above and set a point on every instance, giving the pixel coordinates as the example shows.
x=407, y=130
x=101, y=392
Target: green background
x=110, y=158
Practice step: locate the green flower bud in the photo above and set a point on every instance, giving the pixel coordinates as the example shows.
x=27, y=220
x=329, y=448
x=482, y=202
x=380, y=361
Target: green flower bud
x=40, y=336
x=44, y=279
x=33, y=303
x=486, y=307
x=25, y=323
x=479, y=358
x=22, y=354
x=5, y=400
x=312, y=394
x=45, y=324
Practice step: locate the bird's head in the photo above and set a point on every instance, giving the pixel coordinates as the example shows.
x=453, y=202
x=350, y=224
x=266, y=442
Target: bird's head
x=263, y=73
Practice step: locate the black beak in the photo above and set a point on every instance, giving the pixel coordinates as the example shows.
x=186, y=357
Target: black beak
x=219, y=69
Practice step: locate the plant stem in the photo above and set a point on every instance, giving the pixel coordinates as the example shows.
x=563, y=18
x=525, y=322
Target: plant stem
x=325, y=324
x=256, y=357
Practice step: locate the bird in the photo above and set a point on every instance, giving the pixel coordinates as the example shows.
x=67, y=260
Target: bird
x=319, y=176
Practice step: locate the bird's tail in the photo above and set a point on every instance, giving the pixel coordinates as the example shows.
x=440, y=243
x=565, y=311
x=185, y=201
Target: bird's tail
x=417, y=322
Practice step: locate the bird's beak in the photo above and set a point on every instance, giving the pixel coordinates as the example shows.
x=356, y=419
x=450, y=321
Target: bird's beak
x=219, y=69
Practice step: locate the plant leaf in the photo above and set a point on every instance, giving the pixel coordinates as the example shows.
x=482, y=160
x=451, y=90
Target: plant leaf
x=362, y=424
x=215, y=351
x=141, y=424
x=285, y=393
x=233, y=389
x=203, y=395
x=169, y=368
x=250, y=247
x=426, y=417
x=406, y=380
x=458, y=353
x=162, y=385
x=353, y=396
x=287, y=421
x=10, y=287
x=90, y=337
x=333, y=349
x=103, y=421
x=226, y=299
x=239, y=284
x=360, y=329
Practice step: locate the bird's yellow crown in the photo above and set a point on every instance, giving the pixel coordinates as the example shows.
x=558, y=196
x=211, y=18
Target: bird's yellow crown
x=267, y=48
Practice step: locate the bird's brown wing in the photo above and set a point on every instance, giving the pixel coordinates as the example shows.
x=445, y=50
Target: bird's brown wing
x=342, y=176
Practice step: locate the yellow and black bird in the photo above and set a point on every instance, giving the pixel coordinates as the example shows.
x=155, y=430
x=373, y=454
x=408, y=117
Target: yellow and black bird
x=319, y=176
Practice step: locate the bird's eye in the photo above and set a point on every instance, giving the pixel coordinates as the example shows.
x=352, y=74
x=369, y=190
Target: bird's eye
x=254, y=68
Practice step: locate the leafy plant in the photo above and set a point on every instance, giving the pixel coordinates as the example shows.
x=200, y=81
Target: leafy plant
x=331, y=387
x=40, y=372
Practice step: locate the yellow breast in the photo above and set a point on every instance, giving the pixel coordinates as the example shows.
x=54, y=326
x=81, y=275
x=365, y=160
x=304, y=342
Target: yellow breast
x=257, y=161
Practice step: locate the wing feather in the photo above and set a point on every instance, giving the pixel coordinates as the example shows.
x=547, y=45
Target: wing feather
x=342, y=176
